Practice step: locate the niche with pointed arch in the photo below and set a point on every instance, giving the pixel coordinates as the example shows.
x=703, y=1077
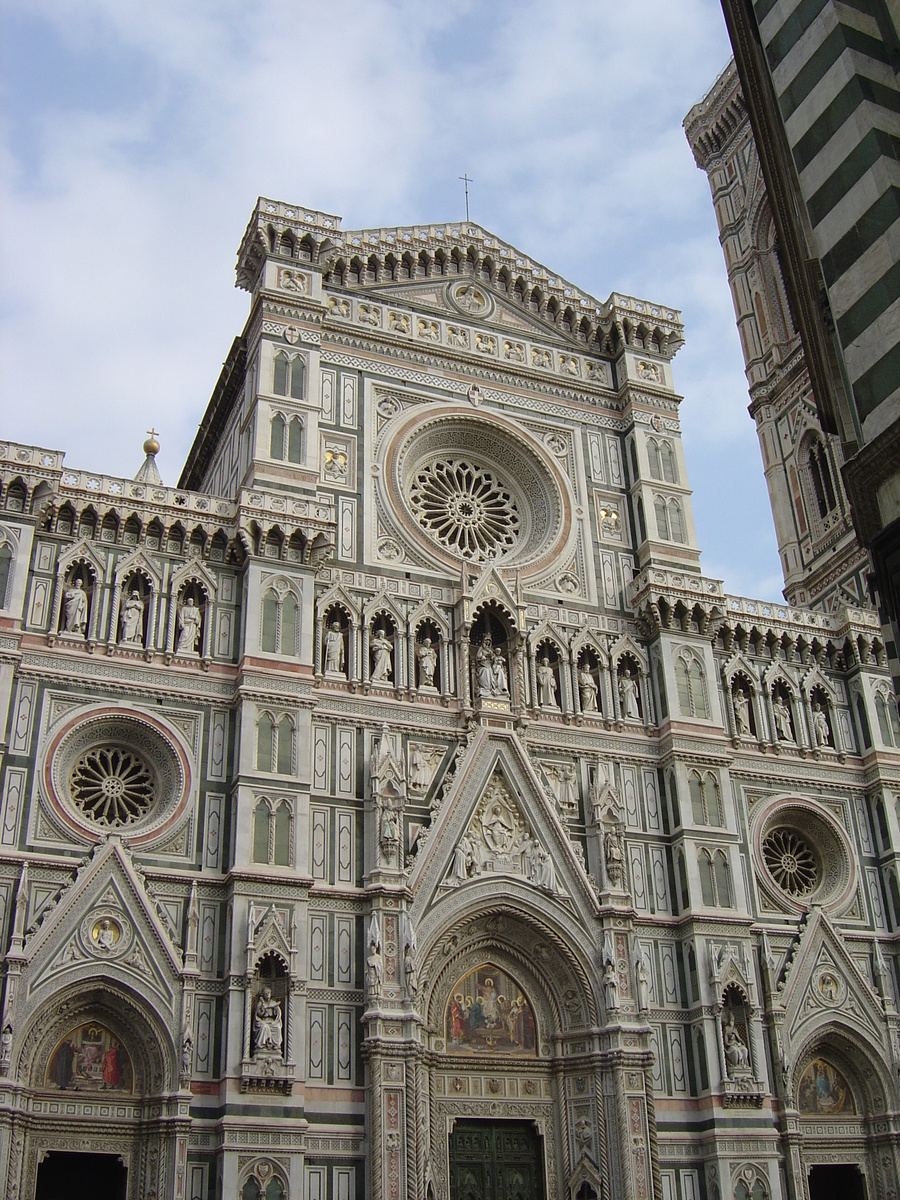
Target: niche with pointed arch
x=489, y=1013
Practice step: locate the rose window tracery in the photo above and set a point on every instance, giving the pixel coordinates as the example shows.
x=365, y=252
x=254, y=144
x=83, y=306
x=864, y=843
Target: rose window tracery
x=791, y=861
x=466, y=508
x=112, y=786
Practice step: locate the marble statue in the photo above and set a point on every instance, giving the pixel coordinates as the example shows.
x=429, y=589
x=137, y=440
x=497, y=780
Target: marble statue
x=189, y=620
x=628, y=695
x=741, y=711
x=737, y=1056
x=132, y=620
x=76, y=608
x=187, y=1054
x=382, y=650
x=334, y=649
x=613, y=856
x=267, y=1024
x=426, y=656
x=642, y=972
x=501, y=683
x=782, y=716
x=820, y=724
x=374, y=968
x=545, y=871
x=547, y=684
x=587, y=690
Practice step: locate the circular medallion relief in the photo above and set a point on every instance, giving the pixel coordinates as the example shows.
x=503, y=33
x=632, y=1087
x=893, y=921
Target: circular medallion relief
x=469, y=298
x=116, y=771
x=802, y=855
x=468, y=485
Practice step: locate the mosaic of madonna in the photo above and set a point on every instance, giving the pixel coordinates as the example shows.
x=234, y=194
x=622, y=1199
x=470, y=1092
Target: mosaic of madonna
x=90, y=1059
x=823, y=1091
x=488, y=1012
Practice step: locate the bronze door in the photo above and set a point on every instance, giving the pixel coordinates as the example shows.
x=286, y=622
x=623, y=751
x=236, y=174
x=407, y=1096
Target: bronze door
x=495, y=1160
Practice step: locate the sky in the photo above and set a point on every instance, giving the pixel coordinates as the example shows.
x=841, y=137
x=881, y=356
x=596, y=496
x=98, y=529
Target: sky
x=136, y=138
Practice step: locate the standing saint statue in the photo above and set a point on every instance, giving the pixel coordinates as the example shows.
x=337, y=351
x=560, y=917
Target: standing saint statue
x=76, y=608
x=547, y=684
x=741, y=711
x=782, y=720
x=587, y=689
x=820, y=724
x=334, y=649
x=189, y=621
x=382, y=649
x=628, y=695
x=427, y=659
x=132, y=620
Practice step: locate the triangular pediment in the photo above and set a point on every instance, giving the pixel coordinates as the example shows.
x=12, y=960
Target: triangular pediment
x=105, y=924
x=824, y=985
x=497, y=830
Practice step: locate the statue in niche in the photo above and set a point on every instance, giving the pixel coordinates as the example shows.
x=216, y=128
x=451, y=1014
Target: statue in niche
x=547, y=684
x=820, y=725
x=628, y=695
x=419, y=769
x=374, y=967
x=587, y=690
x=382, y=650
x=613, y=857
x=741, y=712
x=568, y=788
x=390, y=834
x=267, y=1023
x=189, y=620
x=187, y=1054
x=642, y=973
x=6, y=1038
x=334, y=650
x=132, y=620
x=76, y=608
x=610, y=977
x=426, y=656
x=782, y=716
x=737, y=1056
x=490, y=669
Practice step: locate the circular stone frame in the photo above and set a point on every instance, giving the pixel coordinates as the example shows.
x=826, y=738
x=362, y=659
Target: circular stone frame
x=138, y=733
x=540, y=492
x=818, y=827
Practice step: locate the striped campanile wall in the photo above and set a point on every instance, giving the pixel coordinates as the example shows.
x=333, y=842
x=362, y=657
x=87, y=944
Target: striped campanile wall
x=832, y=68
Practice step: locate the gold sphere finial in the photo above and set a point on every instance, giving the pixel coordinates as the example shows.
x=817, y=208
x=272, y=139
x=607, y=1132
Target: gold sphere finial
x=151, y=446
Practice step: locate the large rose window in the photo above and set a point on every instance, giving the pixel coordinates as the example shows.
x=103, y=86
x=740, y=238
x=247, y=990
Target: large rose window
x=469, y=485
x=112, y=786
x=803, y=855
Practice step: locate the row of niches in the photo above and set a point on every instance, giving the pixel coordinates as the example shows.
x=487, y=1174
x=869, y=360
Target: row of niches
x=139, y=616
x=492, y=663
x=113, y=528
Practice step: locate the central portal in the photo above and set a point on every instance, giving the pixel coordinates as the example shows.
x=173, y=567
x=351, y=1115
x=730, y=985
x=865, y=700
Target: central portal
x=842, y=1179
x=495, y=1160
x=64, y=1176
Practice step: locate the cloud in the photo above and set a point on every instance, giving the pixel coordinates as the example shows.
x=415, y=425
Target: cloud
x=138, y=137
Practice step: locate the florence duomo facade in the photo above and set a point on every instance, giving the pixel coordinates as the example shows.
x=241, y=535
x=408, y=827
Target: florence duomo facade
x=392, y=809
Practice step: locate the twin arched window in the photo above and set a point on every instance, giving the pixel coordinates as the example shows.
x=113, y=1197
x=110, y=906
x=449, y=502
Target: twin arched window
x=275, y=744
x=662, y=460
x=693, y=699
x=6, y=559
x=289, y=373
x=279, y=627
x=669, y=520
x=819, y=470
x=273, y=833
x=888, y=721
x=706, y=800
x=286, y=439
x=715, y=879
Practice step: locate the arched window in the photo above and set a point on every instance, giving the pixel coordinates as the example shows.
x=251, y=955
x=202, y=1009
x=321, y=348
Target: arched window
x=676, y=522
x=265, y=742
x=285, y=757
x=295, y=441
x=289, y=624
x=269, y=638
x=707, y=880
x=667, y=460
x=662, y=518
x=722, y=880
x=276, y=437
x=681, y=875
x=863, y=722
x=283, y=835
x=698, y=809
x=262, y=821
x=661, y=690
x=820, y=477
x=653, y=456
x=693, y=699
x=715, y=879
x=885, y=707
x=642, y=524
x=5, y=571
x=288, y=379
x=706, y=805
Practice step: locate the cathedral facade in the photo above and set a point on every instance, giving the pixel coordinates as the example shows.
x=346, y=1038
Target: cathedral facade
x=392, y=809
